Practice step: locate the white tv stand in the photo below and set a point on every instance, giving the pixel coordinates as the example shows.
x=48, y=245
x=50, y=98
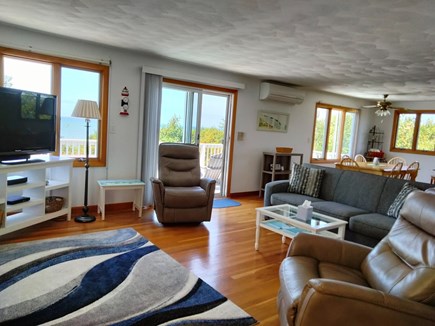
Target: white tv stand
x=49, y=178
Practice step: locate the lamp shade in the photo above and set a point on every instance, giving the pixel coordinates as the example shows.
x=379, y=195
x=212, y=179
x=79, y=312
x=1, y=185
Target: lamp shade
x=86, y=109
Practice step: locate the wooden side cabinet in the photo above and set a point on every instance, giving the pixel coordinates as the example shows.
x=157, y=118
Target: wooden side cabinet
x=276, y=166
x=43, y=179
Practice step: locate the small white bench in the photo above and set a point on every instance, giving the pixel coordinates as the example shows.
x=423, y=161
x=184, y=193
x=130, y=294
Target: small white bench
x=137, y=185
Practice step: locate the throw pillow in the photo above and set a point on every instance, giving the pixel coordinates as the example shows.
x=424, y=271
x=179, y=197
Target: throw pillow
x=397, y=204
x=305, y=181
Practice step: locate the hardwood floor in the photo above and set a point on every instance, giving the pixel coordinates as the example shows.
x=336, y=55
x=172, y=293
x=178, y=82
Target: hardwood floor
x=221, y=252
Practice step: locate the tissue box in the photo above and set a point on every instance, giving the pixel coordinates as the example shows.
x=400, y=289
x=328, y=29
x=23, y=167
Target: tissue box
x=304, y=213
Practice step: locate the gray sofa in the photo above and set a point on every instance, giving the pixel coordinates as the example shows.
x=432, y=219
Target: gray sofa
x=359, y=198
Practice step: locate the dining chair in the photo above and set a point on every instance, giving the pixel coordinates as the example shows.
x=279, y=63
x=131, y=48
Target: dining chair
x=349, y=162
x=360, y=158
x=412, y=171
x=395, y=160
x=396, y=171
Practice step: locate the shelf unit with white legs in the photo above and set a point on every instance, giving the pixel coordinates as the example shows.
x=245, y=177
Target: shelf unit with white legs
x=51, y=177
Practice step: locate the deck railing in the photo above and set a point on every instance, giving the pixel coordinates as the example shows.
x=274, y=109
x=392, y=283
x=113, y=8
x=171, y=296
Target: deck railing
x=77, y=147
x=207, y=150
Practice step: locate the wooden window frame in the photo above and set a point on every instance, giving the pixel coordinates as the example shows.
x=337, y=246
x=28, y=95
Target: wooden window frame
x=329, y=107
x=233, y=115
x=394, y=131
x=58, y=63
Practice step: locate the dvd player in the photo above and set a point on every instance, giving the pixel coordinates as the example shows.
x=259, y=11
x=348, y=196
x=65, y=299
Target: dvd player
x=16, y=179
x=13, y=200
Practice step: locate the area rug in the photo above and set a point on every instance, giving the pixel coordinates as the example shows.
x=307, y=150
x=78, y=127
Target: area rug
x=105, y=278
x=225, y=202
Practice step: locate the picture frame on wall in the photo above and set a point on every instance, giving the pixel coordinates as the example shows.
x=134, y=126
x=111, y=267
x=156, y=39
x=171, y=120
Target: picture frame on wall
x=272, y=121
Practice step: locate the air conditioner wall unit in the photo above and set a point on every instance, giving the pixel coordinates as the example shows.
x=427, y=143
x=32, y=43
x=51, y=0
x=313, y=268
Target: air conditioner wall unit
x=281, y=93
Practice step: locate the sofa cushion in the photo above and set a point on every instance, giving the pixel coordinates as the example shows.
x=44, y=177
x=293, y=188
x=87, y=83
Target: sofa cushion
x=337, y=210
x=290, y=198
x=389, y=193
x=397, y=204
x=329, y=181
x=373, y=225
x=430, y=190
x=305, y=181
x=402, y=264
x=391, y=188
x=185, y=197
x=361, y=190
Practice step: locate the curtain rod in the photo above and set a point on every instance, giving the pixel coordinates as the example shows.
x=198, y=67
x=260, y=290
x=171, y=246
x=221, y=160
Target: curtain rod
x=30, y=48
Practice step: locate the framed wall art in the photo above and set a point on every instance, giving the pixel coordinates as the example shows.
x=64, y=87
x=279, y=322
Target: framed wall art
x=272, y=121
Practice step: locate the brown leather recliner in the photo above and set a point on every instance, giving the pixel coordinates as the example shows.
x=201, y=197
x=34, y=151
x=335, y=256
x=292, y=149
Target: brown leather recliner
x=180, y=194
x=326, y=281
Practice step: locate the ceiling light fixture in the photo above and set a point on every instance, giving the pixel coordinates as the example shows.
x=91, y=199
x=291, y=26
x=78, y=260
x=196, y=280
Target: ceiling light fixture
x=382, y=112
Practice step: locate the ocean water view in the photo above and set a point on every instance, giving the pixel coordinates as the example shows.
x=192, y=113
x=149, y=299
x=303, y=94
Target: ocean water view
x=75, y=128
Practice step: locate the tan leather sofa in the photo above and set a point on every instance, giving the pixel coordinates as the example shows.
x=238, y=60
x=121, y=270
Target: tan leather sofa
x=180, y=194
x=327, y=281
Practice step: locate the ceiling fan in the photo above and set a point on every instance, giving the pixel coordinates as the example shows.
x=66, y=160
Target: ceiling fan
x=382, y=106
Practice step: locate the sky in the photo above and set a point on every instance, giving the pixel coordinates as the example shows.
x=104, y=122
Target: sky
x=213, y=107
x=76, y=84
x=82, y=84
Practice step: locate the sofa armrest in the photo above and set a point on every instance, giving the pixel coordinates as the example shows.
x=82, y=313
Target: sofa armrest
x=158, y=190
x=330, y=250
x=208, y=184
x=330, y=302
x=273, y=187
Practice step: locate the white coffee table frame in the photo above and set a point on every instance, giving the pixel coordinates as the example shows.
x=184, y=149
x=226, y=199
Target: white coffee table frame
x=282, y=220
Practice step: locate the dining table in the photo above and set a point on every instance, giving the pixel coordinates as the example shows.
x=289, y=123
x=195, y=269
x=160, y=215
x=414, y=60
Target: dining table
x=384, y=169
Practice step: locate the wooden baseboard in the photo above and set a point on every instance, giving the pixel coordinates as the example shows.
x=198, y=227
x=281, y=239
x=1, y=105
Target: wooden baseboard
x=109, y=208
x=243, y=194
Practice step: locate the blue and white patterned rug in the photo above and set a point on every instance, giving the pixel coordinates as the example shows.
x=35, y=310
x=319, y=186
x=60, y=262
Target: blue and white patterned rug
x=114, y=277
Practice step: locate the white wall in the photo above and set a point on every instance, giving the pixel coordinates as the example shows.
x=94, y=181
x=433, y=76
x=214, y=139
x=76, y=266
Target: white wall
x=248, y=153
x=126, y=69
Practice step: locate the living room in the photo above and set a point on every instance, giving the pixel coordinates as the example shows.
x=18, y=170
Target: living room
x=126, y=70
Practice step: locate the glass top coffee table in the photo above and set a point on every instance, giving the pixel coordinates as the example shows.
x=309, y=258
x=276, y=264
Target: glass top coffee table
x=282, y=219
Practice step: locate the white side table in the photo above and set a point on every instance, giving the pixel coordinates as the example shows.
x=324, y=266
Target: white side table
x=137, y=185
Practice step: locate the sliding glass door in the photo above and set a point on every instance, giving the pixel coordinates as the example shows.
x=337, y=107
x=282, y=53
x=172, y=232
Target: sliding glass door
x=198, y=116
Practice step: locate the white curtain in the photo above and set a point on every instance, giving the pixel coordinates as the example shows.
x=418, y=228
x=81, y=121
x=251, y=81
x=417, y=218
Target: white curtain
x=151, y=127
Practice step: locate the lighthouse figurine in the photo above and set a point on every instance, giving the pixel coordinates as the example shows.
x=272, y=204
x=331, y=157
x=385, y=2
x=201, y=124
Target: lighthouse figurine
x=124, y=101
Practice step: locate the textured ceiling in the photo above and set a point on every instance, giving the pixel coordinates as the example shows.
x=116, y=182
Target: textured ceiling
x=351, y=47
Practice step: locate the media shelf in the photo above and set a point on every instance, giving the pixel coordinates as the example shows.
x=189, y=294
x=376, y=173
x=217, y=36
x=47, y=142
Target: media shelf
x=47, y=178
x=276, y=166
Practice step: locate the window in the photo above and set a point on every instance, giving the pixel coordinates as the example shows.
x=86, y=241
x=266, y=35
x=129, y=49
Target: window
x=413, y=132
x=70, y=80
x=334, y=132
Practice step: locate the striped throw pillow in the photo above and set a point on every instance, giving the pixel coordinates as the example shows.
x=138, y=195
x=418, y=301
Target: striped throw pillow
x=397, y=204
x=305, y=181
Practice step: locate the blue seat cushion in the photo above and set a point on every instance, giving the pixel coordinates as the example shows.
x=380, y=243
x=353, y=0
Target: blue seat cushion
x=373, y=225
x=291, y=198
x=337, y=210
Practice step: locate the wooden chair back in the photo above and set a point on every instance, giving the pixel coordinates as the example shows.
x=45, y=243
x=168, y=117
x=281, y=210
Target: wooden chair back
x=396, y=171
x=396, y=159
x=349, y=162
x=360, y=158
x=412, y=171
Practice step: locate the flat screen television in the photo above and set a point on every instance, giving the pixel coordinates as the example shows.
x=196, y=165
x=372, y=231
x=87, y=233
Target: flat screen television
x=27, y=124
